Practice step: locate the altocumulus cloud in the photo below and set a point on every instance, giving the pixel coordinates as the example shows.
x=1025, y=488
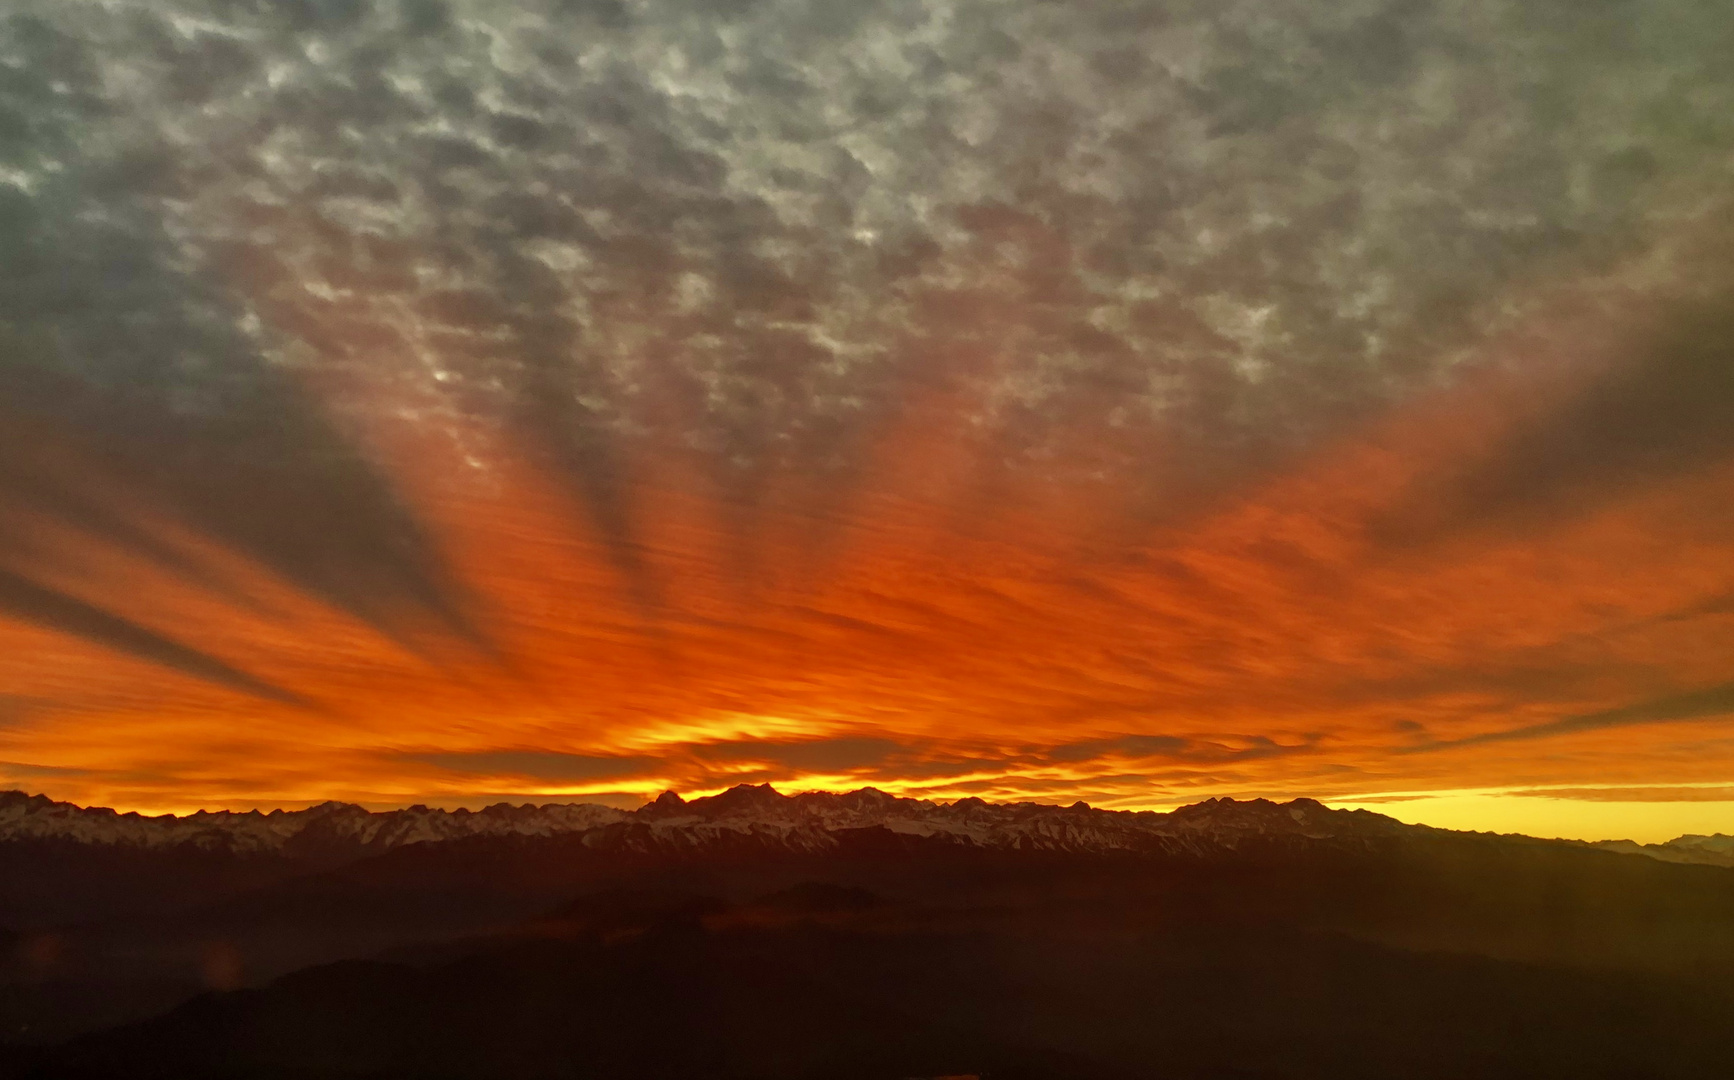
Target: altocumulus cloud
x=763, y=227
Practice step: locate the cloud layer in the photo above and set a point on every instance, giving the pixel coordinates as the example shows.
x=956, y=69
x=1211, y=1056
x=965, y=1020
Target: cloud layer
x=402, y=400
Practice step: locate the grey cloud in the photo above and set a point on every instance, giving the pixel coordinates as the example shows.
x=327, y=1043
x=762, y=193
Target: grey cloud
x=1663, y=412
x=17, y=770
x=1173, y=748
x=1634, y=794
x=15, y=708
x=23, y=599
x=1127, y=745
x=125, y=345
x=1716, y=605
x=811, y=754
x=541, y=764
x=916, y=770
x=1711, y=704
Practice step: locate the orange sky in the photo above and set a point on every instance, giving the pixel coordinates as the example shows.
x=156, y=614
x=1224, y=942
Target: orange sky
x=1043, y=401
x=1334, y=627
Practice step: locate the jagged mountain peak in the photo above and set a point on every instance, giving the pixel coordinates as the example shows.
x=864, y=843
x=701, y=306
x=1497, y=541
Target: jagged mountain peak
x=806, y=821
x=741, y=799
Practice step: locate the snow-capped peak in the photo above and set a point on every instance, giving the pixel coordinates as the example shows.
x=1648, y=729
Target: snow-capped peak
x=808, y=821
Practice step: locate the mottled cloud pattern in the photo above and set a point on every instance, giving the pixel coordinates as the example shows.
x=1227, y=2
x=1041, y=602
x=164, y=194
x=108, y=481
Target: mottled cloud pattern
x=406, y=400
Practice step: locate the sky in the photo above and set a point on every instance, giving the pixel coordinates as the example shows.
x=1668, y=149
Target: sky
x=448, y=401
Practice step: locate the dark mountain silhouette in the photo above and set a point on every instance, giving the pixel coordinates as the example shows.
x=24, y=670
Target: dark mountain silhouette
x=636, y=985
x=1716, y=849
x=859, y=935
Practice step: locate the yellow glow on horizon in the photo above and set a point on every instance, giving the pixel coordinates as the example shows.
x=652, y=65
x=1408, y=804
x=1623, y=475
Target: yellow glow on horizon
x=1530, y=811
x=1533, y=812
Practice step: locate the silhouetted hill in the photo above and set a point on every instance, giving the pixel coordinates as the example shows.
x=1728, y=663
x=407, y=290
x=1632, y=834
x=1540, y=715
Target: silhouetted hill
x=1043, y=989
x=1716, y=849
x=1501, y=919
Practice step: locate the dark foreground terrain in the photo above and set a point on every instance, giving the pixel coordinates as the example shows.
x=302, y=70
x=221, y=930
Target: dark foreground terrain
x=756, y=936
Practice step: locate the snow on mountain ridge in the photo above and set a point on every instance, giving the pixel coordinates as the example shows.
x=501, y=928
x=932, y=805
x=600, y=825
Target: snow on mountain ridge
x=808, y=821
x=38, y=817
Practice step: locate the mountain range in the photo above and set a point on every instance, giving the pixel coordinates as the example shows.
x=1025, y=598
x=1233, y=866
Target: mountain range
x=752, y=934
x=809, y=821
x=1714, y=850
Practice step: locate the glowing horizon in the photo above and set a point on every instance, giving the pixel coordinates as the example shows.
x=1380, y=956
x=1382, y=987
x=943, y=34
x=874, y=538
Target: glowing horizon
x=1545, y=813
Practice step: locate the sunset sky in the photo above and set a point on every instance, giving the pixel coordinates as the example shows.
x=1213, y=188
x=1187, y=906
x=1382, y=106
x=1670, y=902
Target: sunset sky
x=421, y=402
